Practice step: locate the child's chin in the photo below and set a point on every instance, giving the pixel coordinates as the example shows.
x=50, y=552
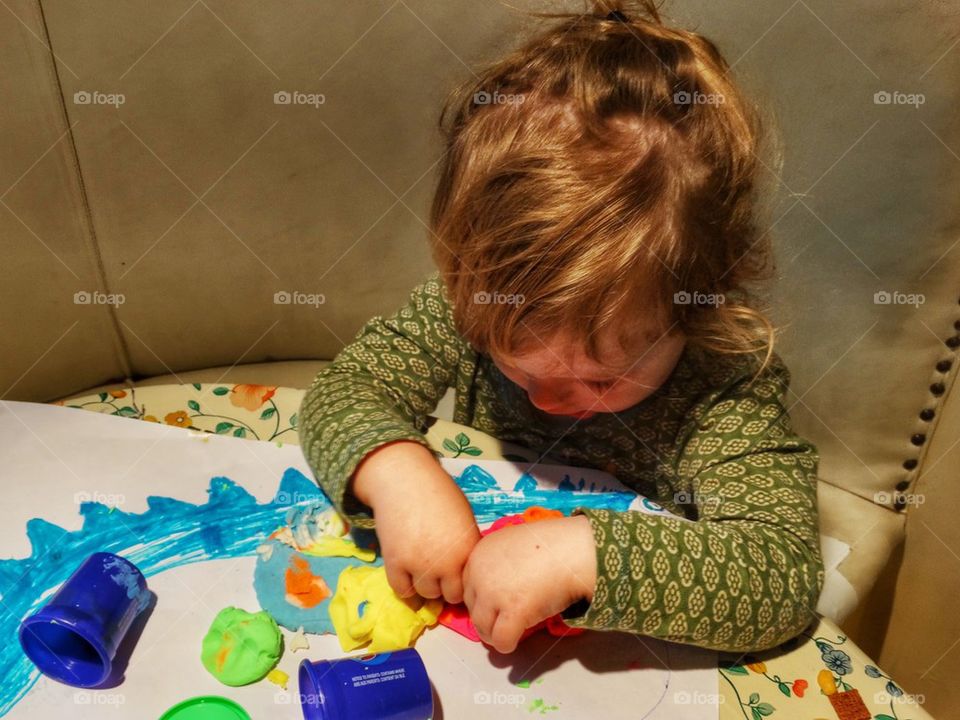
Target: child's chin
x=584, y=415
x=581, y=415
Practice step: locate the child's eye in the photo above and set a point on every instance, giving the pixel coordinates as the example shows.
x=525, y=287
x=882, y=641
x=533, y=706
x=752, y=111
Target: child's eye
x=601, y=385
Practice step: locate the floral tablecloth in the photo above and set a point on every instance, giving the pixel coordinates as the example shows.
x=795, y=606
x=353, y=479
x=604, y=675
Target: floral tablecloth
x=819, y=675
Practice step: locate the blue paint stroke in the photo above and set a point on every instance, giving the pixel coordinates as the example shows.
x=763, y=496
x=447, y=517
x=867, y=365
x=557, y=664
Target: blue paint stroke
x=169, y=534
x=489, y=502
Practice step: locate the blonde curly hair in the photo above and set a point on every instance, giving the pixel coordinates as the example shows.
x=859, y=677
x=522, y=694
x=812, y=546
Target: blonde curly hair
x=605, y=168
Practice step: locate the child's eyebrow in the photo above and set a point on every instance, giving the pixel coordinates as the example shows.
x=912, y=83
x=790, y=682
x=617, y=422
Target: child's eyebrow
x=634, y=361
x=614, y=373
x=602, y=374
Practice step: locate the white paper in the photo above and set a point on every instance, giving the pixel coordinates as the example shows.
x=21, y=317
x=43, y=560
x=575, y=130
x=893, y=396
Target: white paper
x=51, y=454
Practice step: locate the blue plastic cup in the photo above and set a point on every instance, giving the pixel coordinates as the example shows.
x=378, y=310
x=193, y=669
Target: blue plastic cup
x=388, y=686
x=75, y=636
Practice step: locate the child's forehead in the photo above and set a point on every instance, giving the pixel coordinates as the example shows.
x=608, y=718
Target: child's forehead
x=562, y=356
x=546, y=364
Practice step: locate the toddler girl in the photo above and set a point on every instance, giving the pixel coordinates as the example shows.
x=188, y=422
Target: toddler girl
x=599, y=256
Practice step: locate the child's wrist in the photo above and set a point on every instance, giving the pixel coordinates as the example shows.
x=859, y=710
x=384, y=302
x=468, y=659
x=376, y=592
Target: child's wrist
x=389, y=464
x=583, y=557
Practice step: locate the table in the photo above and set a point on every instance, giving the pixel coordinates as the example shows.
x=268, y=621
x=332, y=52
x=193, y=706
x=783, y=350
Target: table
x=781, y=683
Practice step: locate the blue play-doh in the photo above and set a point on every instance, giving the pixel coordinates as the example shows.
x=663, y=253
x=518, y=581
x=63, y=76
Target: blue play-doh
x=74, y=637
x=388, y=686
x=270, y=586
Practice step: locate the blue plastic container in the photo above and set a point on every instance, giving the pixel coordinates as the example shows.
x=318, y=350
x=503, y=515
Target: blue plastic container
x=388, y=686
x=75, y=636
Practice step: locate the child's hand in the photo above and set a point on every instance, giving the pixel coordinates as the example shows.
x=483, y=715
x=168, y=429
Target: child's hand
x=523, y=574
x=425, y=525
x=426, y=536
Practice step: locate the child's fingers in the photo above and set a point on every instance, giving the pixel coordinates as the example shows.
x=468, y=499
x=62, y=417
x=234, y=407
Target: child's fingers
x=400, y=580
x=469, y=594
x=427, y=586
x=506, y=632
x=483, y=617
x=452, y=588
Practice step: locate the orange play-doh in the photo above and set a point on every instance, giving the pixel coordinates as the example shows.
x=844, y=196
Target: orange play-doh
x=304, y=589
x=537, y=513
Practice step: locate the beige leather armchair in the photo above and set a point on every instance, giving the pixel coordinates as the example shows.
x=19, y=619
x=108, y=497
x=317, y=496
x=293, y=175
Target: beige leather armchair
x=157, y=193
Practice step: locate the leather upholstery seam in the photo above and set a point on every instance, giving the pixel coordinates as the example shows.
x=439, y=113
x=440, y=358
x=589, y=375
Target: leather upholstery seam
x=90, y=234
x=929, y=417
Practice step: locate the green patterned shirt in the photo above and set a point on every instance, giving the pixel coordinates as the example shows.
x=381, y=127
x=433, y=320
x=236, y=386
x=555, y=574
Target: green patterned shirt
x=708, y=445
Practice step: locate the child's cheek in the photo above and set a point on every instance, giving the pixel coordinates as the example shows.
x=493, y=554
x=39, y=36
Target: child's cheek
x=514, y=377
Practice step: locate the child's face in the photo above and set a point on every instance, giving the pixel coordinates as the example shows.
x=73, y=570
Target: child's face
x=559, y=379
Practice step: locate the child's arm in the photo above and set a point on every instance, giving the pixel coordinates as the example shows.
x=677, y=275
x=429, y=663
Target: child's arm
x=745, y=576
x=378, y=391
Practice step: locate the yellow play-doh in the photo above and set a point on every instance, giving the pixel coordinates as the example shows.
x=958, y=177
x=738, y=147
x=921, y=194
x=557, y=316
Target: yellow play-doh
x=365, y=609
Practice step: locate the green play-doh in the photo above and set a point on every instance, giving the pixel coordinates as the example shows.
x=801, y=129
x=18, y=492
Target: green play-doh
x=241, y=647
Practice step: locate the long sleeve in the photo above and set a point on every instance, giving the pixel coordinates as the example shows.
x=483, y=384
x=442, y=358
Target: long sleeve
x=377, y=390
x=746, y=573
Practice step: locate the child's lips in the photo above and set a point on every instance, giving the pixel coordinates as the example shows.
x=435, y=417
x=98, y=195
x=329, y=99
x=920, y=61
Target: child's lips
x=579, y=415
